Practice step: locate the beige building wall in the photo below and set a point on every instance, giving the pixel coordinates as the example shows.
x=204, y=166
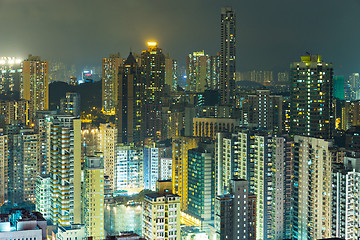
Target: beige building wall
x=161, y=216
x=314, y=187
x=77, y=170
x=107, y=145
x=93, y=197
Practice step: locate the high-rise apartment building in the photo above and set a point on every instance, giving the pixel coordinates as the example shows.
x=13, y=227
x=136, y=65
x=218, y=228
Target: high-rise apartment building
x=15, y=110
x=345, y=199
x=339, y=87
x=311, y=98
x=110, y=74
x=311, y=198
x=4, y=158
x=350, y=115
x=42, y=195
x=260, y=169
x=107, y=145
x=70, y=105
x=233, y=213
x=153, y=66
x=35, y=83
x=227, y=56
x=281, y=185
x=181, y=147
x=93, y=197
x=264, y=111
x=90, y=141
x=197, y=72
x=354, y=86
x=214, y=72
x=151, y=167
x=165, y=168
x=201, y=183
x=129, y=169
x=65, y=170
x=10, y=74
x=227, y=160
x=23, y=165
x=209, y=127
x=43, y=127
x=153, y=69
x=268, y=158
x=283, y=77
x=130, y=102
x=171, y=78
x=249, y=155
x=259, y=76
x=161, y=214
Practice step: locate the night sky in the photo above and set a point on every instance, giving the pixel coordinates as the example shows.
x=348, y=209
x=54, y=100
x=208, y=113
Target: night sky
x=270, y=34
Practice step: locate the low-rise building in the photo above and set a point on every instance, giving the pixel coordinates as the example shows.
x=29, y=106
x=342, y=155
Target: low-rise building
x=22, y=224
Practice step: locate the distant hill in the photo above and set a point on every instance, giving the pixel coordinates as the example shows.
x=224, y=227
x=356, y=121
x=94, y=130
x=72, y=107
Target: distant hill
x=90, y=94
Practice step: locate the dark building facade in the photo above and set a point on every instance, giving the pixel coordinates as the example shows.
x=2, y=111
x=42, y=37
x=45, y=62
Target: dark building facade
x=227, y=56
x=129, y=104
x=311, y=100
x=153, y=69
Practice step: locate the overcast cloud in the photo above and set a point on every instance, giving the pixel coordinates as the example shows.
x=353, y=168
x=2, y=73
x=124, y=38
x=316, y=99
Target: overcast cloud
x=270, y=34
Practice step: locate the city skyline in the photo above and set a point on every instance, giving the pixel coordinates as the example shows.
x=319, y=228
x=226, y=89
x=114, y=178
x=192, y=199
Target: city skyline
x=234, y=154
x=269, y=37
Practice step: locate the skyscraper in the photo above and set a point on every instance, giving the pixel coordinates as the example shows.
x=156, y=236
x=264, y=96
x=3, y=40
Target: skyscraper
x=35, y=83
x=153, y=67
x=107, y=145
x=264, y=111
x=10, y=74
x=129, y=169
x=227, y=56
x=311, y=98
x=151, y=167
x=110, y=69
x=233, y=216
x=311, y=197
x=345, y=197
x=93, y=197
x=16, y=110
x=130, y=101
x=197, y=72
x=339, y=87
x=214, y=71
x=201, y=183
x=24, y=165
x=181, y=147
x=354, y=84
x=248, y=155
x=3, y=167
x=65, y=170
x=42, y=195
x=171, y=73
